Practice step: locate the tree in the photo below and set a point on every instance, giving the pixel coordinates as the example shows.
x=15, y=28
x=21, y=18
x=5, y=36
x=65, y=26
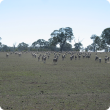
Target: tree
x=78, y=46
x=90, y=47
x=14, y=46
x=23, y=46
x=61, y=36
x=46, y=44
x=94, y=44
x=34, y=44
x=67, y=47
x=39, y=42
x=100, y=43
x=5, y=48
x=0, y=43
x=51, y=44
x=106, y=36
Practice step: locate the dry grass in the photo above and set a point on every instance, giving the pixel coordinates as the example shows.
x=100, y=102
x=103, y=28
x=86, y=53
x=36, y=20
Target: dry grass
x=26, y=84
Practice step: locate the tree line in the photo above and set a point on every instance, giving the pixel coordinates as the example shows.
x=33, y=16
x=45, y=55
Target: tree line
x=63, y=37
x=100, y=42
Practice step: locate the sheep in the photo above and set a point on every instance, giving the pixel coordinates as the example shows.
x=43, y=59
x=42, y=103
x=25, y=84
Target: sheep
x=19, y=54
x=99, y=59
x=79, y=56
x=16, y=53
x=96, y=58
x=55, y=60
x=83, y=56
x=88, y=56
x=71, y=57
x=63, y=57
x=35, y=55
x=32, y=54
x=44, y=59
x=75, y=57
x=48, y=56
x=106, y=58
x=38, y=57
x=57, y=57
x=7, y=54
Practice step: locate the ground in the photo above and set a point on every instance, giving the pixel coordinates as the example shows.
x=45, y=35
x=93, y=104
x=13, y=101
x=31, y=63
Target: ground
x=29, y=84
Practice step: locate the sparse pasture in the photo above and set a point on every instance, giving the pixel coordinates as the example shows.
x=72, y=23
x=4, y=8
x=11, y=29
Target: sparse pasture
x=29, y=84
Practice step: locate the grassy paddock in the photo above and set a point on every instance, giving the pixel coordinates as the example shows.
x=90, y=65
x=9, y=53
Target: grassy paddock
x=26, y=84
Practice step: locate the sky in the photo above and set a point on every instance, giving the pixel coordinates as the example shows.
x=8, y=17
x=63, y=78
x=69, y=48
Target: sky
x=30, y=20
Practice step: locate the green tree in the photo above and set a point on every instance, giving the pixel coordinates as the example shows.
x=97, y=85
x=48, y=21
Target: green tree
x=93, y=37
x=23, y=46
x=51, y=44
x=0, y=43
x=14, y=46
x=61, y=36
x=34, y=44
x=5, y=48
x=106, y=36
x=90, y=47
x=39, y=42
x=78, y=46
x=67, y=47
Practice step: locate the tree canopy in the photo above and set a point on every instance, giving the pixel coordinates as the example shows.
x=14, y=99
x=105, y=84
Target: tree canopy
x=39, y=42
x=61, y=36
x=106, y=36
x=78, y=46
x=23, y=46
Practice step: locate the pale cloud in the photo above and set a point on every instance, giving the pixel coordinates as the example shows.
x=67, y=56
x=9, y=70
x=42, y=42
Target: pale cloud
x=108, y=1
x=1, y=1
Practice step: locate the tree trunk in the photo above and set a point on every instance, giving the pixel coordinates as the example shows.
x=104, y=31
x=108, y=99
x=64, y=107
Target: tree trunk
x=61, y=47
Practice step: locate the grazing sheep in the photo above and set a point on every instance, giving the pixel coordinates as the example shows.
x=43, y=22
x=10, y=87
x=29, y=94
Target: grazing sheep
x=55, y=60
x=83, y=56
x=35, y=55
x=75, y=57
x=79, y=56
x=63, y=57
x=106, y=58
x=57, y=57
x=88, y=56
x=48, y=56
x=99, y=59
x=71, y=58
x=32, y=54
x=96, y=58
x=38, y=57
x=19, y=54
x=7, y=54
x=44, y=59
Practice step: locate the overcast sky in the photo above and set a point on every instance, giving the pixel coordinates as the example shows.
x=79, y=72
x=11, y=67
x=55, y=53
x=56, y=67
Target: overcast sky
x=30, y=20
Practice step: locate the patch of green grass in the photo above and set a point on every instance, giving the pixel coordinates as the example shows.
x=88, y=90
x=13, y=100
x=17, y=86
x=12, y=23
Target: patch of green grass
x=26, y=84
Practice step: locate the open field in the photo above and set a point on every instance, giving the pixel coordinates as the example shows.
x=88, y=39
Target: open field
x=29, y=84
